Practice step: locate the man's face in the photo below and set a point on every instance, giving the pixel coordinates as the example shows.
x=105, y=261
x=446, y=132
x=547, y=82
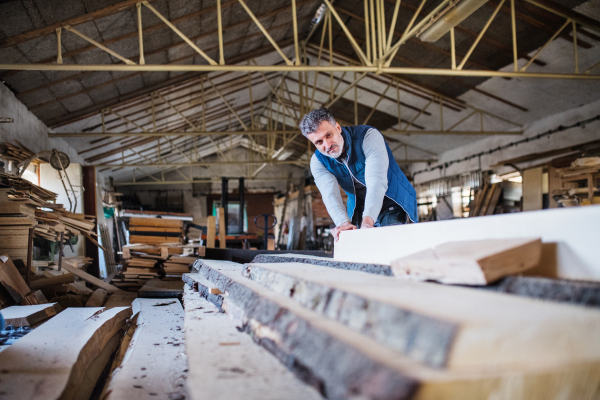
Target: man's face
x=328, y=139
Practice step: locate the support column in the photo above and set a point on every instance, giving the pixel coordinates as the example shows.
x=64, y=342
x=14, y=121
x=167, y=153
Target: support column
x=89, y=208
x=241, y=217
x=225, y=199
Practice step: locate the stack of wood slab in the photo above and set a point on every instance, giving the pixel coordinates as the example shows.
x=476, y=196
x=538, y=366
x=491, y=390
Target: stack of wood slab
x=364, y=325
x=137, y=271
x=21, y=208
x=65, y=356
x=176, y=266
x=155, y=231
x=139, y=268
x=16, y=218
x=16, y=152
x=352, y=334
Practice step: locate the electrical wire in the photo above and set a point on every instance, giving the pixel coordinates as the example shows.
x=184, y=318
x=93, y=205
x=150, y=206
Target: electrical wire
x=550, y=132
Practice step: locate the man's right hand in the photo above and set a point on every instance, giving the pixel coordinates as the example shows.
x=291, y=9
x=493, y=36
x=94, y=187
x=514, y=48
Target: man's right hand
x=346, y=226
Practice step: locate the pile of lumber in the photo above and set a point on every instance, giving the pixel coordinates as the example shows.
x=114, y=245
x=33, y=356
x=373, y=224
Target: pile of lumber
x=65, y=356
x=16, y=218
x=176, y=266
x=21, y=207
x=149, y=262
x=13, y=288
x=155, y=231
x=581, y=166
x=16, y=152
x=138, y=270
x=70, y=286
x=352, y=334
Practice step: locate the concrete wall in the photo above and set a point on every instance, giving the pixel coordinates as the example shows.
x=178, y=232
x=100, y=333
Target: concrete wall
x=27, y=128
x=556, y=141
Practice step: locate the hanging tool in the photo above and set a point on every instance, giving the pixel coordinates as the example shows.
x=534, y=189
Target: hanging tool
x=60, y=162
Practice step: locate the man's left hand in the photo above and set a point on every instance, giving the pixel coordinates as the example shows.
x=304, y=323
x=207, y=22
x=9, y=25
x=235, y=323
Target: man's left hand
x=367, y=222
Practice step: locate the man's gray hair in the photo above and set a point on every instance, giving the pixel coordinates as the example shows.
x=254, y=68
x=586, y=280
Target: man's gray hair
x=311, y=121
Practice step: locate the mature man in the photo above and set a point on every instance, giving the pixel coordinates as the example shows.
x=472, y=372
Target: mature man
x=360, y=161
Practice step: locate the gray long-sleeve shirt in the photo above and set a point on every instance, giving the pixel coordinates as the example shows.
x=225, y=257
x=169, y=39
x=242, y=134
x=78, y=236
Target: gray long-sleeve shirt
x=376, y=169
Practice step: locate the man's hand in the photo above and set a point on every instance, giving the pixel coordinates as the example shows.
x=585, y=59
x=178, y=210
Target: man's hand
x=346, y=226
x=367, y=222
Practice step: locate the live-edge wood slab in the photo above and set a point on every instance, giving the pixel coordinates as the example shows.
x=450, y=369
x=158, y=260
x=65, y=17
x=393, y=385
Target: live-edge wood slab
x=51, y=362
x=29, y=315
x=157, y=288
x=225, y=363
x=155, y=365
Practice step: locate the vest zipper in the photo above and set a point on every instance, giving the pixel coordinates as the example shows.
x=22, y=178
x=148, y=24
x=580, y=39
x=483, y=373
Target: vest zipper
x=345, y=163
x=353, y=187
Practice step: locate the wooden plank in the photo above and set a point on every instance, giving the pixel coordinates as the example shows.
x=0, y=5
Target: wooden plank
x=154, y=239
x=494, y=199
x=211, y=223
x=561, y=290
x=29, y=315
x=566, y=253
x=12, y=280
x=120, y=299
x=244, y=370
x=16, y=231
x=17, y=209
x=496, y=319
x=51, y=361
x=55, y=280
x=17, y=221
x=480, y=199
x=97, y=298
x=585, y=293
x=532, y=189
x=156, y=222
x=157, y=288
x=89, y=278
x=317, y=342
x=154, y=229
x=222, y=228
x=155, y=364
x=80, y=288
x=187, y=260
x=323, y=261
x=476, y=262
x=487, y=199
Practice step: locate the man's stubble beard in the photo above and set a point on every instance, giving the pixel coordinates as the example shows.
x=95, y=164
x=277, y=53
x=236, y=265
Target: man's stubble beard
x=338, y=153
x=334, y=155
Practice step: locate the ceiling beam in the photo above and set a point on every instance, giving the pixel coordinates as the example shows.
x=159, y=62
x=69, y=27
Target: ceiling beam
x=137, y=94
x=35, y=33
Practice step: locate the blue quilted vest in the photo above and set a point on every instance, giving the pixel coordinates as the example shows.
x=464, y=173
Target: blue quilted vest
x=399, y=188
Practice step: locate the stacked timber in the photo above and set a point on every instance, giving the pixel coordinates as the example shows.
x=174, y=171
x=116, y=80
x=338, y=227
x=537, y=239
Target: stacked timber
x=352, y=334
x=140, y=267
x=69, y=286
x=137, y=271
x=16, y=218
x=16, y=152
x=65, y=356
x=176, y=266
x=13, y=288
x=155, y=231
x=151, y=365
x=24, y=205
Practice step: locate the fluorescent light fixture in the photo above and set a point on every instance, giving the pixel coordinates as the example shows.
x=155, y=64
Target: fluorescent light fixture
x=453, y=15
